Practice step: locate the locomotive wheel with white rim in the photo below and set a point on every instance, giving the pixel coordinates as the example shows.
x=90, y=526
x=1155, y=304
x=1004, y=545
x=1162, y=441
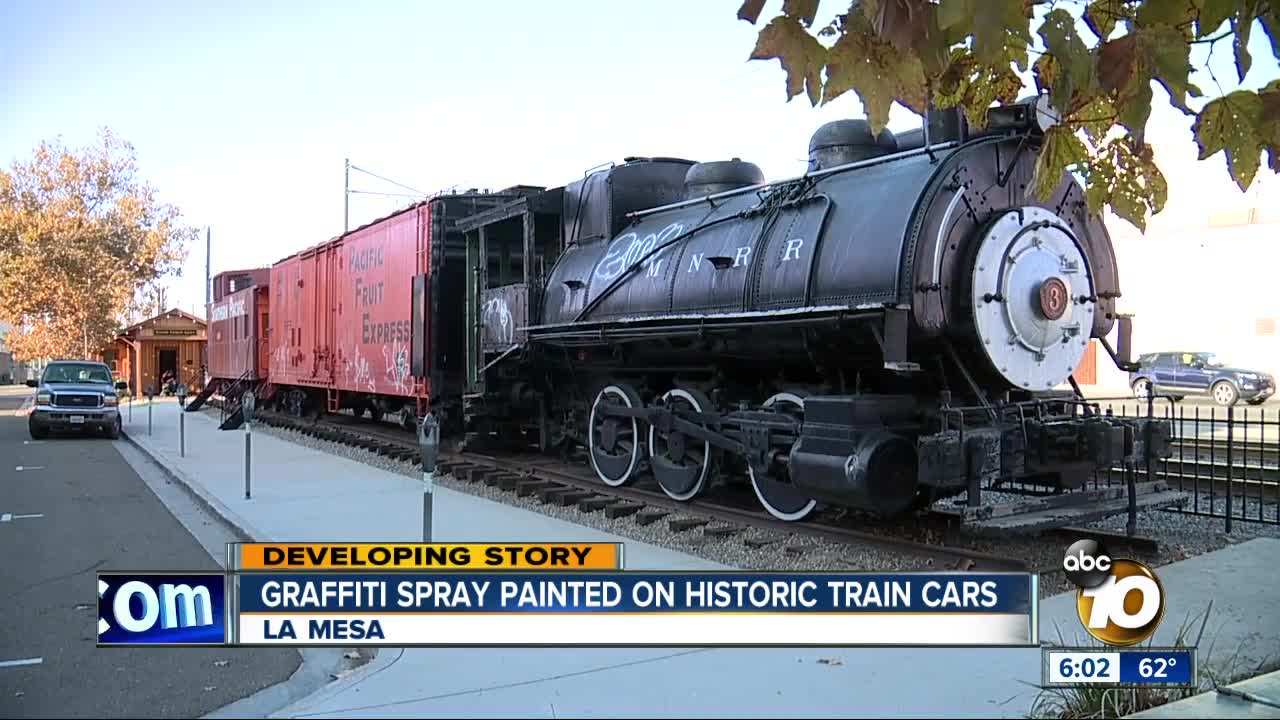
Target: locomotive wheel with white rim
x=773, y=485
x=681, y=463
x=613, y=442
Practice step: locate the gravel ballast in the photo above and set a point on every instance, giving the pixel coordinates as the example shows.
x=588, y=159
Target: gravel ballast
x=1180, y=535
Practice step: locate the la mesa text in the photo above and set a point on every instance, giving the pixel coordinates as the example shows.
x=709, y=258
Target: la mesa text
x=676, y=595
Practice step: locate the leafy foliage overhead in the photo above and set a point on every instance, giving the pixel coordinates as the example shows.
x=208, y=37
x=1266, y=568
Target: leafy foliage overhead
x=969, y=53
x=80, y=236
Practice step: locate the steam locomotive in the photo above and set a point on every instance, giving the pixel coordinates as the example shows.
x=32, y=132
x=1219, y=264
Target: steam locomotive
x=884, y=331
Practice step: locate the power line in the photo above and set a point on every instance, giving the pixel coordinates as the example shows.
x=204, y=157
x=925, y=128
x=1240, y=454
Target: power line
x=370, y=192
x=393, y=182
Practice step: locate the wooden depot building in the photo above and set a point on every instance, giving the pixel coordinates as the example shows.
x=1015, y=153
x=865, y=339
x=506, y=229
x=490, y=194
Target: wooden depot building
x=172, y=341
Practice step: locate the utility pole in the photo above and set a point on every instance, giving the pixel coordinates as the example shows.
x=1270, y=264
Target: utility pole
x=346, y=196
x=208, y=258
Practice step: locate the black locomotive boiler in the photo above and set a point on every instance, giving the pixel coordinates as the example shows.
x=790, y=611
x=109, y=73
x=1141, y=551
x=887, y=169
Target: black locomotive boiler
x=886, y=330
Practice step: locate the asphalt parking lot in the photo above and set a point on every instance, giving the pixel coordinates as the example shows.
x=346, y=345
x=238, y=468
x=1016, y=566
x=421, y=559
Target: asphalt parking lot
x=69, y=507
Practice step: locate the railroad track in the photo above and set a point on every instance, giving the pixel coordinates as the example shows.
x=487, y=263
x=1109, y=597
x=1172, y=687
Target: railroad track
x=558, y=483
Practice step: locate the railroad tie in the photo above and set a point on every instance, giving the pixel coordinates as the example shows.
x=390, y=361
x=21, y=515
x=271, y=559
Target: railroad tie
x=525, y=488
x=508, y=481
x=759, y=542
x=476, y=474
x=620, y=509
x=682, y=524
x=592, y=504
x=800, y=549
x=721, y=531
x=546, y=494
x=571, y=497
x=649, y=516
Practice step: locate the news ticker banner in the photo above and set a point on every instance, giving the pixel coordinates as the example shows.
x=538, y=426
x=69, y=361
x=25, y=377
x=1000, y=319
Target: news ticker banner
x=1119, y=667
x=423, y=556
x=549, y=595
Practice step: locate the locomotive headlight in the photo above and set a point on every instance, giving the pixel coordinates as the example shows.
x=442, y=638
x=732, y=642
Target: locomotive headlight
x=1045, y=114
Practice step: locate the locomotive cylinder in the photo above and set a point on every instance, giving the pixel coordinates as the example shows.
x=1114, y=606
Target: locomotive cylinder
x=871, y=470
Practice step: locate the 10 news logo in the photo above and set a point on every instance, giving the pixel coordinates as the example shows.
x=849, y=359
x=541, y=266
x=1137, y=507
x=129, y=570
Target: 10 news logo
x=1120, y=601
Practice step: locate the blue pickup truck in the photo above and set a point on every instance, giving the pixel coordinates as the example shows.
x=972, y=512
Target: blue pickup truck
x=1182, y=373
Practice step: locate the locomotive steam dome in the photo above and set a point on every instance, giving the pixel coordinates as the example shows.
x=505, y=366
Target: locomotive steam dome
x=844, y=141
x=1033, y=298
x=709, y=178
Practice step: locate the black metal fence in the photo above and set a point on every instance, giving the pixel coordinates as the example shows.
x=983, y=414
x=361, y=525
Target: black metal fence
x=1226, y=458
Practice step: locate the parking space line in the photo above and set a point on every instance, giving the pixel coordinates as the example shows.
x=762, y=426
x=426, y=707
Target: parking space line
x=23, y=468
x=19, y=663
x=6, y=517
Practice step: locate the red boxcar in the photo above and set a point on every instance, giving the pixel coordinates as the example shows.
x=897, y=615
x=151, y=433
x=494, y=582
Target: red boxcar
x=238, y=321
x=342, y=315
x=374, y=320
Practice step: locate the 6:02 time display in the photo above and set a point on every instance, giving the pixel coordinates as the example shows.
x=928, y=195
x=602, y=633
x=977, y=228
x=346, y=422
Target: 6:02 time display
x=1081, y=667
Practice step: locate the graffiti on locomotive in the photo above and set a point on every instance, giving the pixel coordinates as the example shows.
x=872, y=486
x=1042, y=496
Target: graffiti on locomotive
x=632, y=248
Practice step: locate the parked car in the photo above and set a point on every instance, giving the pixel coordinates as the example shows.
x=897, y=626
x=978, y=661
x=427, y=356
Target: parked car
x=75, y=395
x=1179, y=374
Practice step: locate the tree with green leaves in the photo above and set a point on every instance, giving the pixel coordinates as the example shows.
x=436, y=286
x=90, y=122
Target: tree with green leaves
x=973, y=54
x=80, y=235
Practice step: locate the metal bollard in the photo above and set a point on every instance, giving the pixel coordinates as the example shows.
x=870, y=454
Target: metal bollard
x=429, y=443
x=151, y=391
x=246, y=407
x=181, y=392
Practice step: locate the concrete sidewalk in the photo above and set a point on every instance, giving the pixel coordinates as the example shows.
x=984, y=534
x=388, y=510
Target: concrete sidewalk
x=305, y=494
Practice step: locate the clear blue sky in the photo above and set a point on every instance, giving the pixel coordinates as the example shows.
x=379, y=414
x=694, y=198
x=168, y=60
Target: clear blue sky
x=242, y=112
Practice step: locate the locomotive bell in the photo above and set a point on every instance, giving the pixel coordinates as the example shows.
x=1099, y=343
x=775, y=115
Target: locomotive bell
x=709, y=178
x=845, y=141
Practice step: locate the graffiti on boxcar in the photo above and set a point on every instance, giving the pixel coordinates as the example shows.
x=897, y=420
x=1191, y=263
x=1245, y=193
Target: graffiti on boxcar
x=280, y=359
x=497, y=318
x=630, y=248
x=396, y=360
x=358, y=370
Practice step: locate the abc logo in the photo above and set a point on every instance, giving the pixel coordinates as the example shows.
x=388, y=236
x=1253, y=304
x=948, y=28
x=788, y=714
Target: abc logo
x=1120, y=601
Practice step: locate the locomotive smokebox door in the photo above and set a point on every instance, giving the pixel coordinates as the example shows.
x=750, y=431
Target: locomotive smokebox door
x=1033, y=298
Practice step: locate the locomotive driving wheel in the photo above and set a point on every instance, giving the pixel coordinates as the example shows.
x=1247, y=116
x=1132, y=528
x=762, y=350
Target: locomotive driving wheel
x=680, y=463
x=772, y=483
x=613, y=442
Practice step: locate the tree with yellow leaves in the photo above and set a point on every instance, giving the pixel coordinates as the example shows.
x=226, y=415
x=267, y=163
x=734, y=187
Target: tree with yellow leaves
x=973, y=53
x=80, y=234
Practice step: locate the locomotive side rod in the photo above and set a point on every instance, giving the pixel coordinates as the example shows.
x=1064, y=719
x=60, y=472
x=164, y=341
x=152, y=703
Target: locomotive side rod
x=665, y=420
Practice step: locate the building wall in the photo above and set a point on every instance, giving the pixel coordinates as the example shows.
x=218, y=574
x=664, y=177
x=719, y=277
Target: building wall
x=1199, y=278
x=135, y=354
